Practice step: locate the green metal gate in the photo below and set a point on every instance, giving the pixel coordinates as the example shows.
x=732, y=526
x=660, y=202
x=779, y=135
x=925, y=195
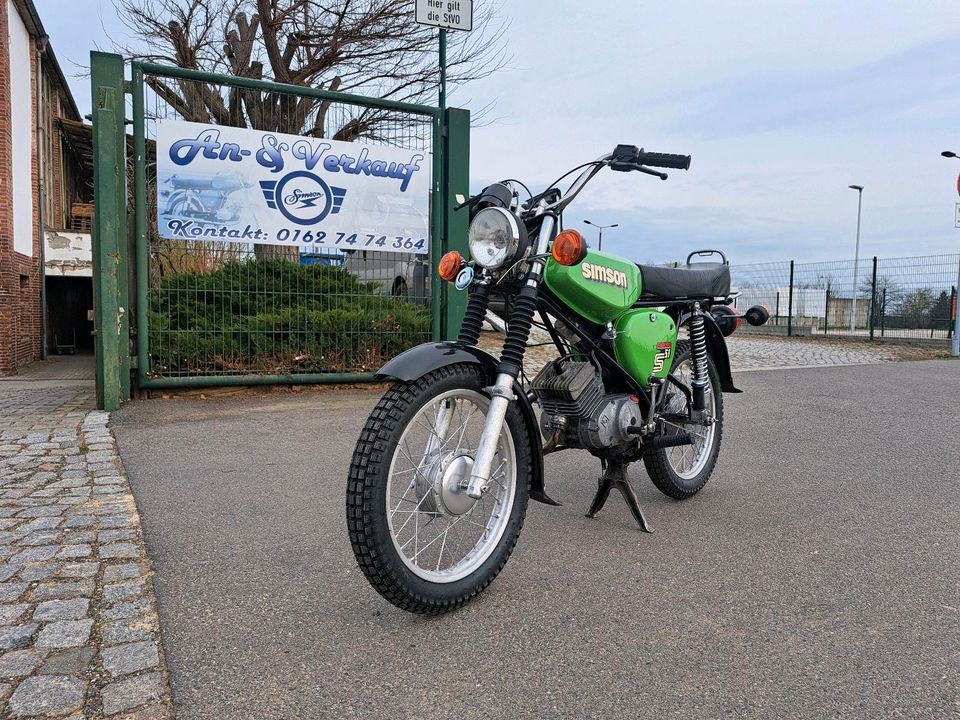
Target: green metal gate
x=176, y=313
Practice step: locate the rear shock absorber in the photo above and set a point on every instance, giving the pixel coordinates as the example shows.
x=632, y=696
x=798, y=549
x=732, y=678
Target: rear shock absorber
x=477, y=303
x=698, y=351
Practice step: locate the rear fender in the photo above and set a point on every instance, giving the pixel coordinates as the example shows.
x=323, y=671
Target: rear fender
x=426, y=358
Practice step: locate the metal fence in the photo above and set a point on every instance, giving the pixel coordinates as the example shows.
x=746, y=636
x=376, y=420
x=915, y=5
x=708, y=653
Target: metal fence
x=216, y=309
x=912, y=298
x=193, y=313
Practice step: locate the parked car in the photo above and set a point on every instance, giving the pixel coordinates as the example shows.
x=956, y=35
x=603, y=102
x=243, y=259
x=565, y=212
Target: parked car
x=401, y=275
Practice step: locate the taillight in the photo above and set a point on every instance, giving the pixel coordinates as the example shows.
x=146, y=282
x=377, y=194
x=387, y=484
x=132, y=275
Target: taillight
x=727, y=319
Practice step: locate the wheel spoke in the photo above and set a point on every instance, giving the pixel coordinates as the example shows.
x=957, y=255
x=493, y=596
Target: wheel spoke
x=689, y=460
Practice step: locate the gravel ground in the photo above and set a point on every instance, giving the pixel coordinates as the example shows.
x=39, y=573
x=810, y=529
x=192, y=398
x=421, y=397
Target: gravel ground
x=815, y=576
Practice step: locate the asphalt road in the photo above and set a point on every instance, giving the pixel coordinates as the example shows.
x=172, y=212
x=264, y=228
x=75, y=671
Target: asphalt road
x=816, y=576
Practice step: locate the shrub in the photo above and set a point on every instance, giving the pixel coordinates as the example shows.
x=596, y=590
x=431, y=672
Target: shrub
x=274, y=316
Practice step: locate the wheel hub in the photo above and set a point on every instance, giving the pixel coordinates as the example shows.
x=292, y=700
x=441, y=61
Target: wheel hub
x=452, y=494
x=442, y=489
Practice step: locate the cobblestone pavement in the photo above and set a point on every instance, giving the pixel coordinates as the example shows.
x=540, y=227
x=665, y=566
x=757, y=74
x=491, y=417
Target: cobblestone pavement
x=757, y=352
x=79, y=634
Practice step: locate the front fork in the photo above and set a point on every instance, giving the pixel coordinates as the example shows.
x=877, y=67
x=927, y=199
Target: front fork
x=511, y=363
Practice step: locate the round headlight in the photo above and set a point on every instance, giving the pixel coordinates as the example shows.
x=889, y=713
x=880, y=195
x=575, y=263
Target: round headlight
x=494, y=237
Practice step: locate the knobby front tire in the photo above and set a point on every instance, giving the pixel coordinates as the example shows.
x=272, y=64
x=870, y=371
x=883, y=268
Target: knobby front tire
x=392, y=493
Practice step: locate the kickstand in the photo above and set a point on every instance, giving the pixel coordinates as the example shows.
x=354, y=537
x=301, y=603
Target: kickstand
x=615, y=476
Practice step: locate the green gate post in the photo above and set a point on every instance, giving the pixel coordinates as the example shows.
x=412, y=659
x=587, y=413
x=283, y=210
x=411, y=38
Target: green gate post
x=142, y=258
x=437, y=236
x=873, y=296
x=456, y=182
x=109, y=233
x=790, y=304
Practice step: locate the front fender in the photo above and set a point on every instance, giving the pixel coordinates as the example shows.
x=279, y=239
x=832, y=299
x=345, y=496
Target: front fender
x=422, y=359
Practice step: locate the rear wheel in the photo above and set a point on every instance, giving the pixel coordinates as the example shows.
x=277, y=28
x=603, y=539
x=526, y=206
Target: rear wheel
x=422, y=542
x=682, y=471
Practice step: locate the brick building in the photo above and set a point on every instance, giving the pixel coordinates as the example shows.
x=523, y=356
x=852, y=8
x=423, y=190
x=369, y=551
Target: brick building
x=42, y=184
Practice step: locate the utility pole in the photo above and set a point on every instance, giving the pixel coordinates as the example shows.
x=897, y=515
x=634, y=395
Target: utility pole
x=856, y=260
x=955, y=344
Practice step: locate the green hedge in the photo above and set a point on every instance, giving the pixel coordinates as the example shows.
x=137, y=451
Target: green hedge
x=275, y=316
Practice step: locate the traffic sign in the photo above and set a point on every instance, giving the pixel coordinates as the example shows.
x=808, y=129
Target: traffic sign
x=956, y=223
x=445, y=14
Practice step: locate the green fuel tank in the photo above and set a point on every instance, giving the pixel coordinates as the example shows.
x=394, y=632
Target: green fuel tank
x=599, y=288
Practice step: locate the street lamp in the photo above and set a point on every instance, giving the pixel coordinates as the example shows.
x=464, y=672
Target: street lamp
x=955, y=345
x=856, y=259
x=601, y=228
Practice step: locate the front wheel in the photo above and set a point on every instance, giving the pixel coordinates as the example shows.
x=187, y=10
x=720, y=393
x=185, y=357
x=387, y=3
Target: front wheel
x=682, y=471
x=421, y=541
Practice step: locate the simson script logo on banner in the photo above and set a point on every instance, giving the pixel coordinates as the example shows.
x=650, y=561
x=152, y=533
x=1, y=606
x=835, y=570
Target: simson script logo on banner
x=239, y=185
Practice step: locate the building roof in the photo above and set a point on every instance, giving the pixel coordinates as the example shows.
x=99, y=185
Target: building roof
x=31, y=18
x=79, y=136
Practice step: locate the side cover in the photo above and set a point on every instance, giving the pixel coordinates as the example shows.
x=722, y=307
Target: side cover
x=420, y=360
x=646, y=343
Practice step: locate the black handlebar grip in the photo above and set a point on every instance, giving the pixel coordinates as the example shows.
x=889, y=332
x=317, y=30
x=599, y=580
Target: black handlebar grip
x=665, y=160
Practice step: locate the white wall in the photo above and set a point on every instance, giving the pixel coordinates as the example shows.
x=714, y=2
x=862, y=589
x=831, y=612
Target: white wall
x=21, y=94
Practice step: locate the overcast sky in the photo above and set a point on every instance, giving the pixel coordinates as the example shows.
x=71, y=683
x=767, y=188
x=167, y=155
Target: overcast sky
x=781, y=104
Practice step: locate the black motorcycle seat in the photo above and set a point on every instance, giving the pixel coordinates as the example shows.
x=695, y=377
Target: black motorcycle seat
x=700, y=280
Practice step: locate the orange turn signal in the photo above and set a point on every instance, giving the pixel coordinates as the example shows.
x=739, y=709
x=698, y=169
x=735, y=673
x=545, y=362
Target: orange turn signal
x=569, y=248
x=450, y=264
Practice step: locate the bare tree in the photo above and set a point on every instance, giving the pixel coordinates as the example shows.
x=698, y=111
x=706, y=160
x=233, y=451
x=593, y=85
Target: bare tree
x=364, y=47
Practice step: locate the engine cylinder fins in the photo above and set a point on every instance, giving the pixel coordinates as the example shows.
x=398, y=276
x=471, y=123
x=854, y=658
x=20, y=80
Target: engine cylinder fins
x=568, y=388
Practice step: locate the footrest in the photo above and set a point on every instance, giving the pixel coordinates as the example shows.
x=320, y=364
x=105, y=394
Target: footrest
x=666, y=441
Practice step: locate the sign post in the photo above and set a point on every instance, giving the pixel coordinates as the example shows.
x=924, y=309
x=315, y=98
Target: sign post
x=446, y=15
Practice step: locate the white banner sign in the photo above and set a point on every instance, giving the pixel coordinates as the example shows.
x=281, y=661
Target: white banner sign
x=239, y=185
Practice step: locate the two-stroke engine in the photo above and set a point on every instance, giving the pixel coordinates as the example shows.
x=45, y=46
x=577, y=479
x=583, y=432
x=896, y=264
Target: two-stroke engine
x=575, y=406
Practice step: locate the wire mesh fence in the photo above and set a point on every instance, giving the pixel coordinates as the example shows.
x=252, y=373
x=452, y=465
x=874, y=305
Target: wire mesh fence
x=912, y=298
x=219, y=307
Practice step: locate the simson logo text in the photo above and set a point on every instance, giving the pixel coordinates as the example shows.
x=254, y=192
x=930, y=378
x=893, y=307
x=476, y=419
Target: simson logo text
x=605, y=275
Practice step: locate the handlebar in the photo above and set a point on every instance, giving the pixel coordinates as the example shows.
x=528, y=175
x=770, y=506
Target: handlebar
x=664, y=160
x=624, y=158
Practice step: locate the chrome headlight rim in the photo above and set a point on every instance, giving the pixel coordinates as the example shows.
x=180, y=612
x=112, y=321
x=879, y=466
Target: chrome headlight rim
x=517, y=233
